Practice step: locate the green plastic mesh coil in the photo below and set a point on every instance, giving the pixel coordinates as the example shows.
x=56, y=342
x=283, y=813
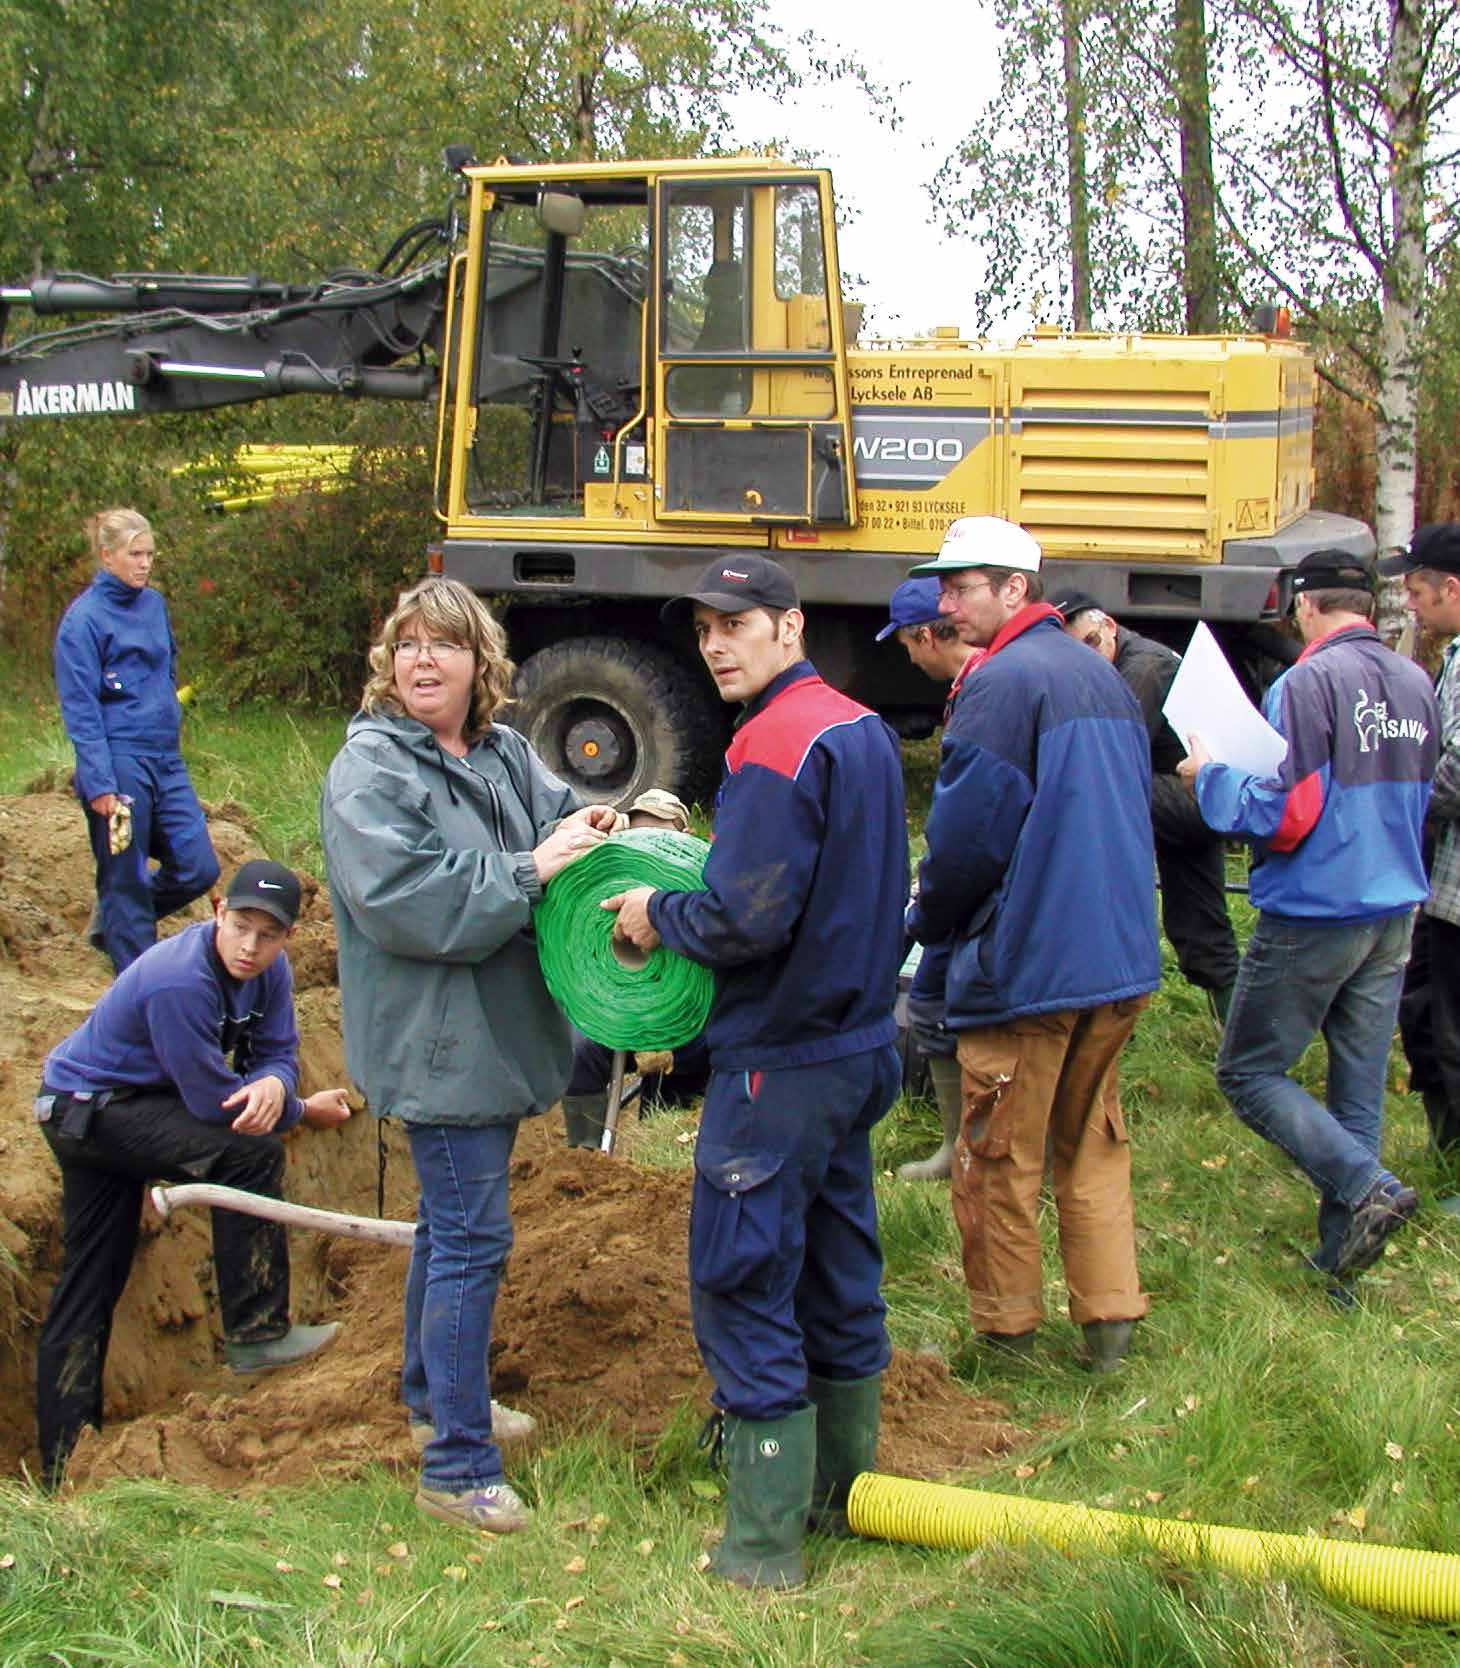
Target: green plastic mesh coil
x=616, y=994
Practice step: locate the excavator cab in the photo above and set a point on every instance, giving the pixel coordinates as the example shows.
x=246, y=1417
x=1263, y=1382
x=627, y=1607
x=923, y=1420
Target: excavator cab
x=649, y=347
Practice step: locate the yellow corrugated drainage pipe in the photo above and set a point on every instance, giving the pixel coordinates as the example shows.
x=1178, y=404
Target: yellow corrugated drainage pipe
x=1400, y=1580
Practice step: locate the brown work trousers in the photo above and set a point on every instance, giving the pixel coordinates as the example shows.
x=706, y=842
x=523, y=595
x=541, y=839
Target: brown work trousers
x=1042, y=1084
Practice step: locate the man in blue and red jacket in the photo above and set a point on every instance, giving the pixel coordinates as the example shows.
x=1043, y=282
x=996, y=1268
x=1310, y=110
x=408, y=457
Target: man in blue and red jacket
x=1338, y=867
x=1040, y=867
x=801, y=917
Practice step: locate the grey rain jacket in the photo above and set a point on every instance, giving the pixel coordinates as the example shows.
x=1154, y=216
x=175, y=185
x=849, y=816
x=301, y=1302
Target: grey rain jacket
x=447, y=1019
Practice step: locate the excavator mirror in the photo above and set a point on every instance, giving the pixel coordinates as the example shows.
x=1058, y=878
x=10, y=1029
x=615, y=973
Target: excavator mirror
x=560, y=213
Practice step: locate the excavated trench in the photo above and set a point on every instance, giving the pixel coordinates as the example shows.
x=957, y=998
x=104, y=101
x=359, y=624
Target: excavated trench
x=593, y=1321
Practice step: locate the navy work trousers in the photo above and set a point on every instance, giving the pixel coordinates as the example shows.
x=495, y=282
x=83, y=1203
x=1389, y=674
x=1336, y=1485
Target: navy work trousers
x=784, y=1260
x=168, y=824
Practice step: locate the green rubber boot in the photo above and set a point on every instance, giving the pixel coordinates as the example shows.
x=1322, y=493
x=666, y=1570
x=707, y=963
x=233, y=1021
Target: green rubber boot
x=847, y=1415
x=583, y=1117
x=771, y=1465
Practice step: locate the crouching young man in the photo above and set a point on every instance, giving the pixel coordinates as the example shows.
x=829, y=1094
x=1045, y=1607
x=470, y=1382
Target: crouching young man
x=801, y=917
x=186, y=1071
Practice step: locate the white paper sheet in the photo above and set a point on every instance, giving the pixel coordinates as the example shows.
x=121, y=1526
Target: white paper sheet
x=1205, y=698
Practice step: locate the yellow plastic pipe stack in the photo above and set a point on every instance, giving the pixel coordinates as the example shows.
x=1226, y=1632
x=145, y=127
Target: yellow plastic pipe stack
x=1402, y=1581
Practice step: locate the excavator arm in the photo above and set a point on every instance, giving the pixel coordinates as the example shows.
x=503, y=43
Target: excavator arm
x=182, y=342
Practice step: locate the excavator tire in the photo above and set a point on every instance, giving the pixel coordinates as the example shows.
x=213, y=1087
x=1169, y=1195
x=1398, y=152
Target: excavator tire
x=613, y=716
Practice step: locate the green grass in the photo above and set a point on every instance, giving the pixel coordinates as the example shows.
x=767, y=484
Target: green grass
x=1249, y=1400
x=268, y=760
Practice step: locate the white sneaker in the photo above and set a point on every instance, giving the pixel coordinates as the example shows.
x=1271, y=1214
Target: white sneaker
x=508, y=1425
x=498, y=1507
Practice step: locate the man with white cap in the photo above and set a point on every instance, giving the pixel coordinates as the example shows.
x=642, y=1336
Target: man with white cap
x=1039, y=865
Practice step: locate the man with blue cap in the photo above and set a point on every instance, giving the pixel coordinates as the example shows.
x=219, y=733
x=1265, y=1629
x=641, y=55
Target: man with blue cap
x=935, y=648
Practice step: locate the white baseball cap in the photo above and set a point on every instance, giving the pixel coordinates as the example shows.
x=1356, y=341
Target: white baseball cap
x=984, y=541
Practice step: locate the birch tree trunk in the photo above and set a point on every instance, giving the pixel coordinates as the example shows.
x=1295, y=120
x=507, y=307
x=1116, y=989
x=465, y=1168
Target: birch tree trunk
x=1402, y=303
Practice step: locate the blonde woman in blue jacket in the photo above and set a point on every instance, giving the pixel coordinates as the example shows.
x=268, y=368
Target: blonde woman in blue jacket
x=441, y=829
x=116, y=675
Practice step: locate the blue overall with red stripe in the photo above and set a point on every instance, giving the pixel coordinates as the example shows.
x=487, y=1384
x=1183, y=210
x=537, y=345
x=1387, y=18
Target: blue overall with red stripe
x=801, y=917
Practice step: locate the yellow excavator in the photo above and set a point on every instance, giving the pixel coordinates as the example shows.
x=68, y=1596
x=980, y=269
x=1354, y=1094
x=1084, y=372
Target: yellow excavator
x=640, y=364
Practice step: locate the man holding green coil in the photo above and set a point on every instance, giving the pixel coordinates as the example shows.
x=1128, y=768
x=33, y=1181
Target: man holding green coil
x=801, y=917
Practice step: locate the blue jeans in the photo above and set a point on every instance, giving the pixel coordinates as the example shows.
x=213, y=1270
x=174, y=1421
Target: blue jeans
x=463, y=1235
x=784, y=1260
x=1296, y=981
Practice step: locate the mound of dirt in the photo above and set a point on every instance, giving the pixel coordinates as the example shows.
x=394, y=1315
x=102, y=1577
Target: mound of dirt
x=592, y=1325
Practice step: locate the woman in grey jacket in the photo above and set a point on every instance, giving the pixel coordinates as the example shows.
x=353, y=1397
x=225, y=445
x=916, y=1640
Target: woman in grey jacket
x=441, y=829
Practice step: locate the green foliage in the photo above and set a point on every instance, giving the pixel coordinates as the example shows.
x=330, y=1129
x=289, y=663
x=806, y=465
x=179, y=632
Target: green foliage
x=281, y=600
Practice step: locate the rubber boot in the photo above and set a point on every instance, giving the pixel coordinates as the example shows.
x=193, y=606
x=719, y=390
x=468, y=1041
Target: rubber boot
x=847, y=1415
x=772, y=1468
x=583, y=1117
x=1107, y=1343
x=948, y=1087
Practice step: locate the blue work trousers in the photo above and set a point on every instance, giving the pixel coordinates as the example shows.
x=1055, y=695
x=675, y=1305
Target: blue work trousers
x=168, y=824
x=463, y=1235
x=1296, y=981
x=784, y=1260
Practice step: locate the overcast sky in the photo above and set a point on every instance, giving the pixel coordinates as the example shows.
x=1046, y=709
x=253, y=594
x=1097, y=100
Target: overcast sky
x=914, y=277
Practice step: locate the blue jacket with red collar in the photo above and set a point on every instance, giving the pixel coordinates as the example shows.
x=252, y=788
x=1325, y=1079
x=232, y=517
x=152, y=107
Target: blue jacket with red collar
x=801, y=915
x=176, y=1016
x=1040, y=862
x=1338, y=831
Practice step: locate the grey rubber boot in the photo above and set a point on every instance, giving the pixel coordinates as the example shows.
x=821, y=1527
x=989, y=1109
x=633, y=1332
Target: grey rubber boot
x=948, y=1087
x=297, y=1344
x=1107, y=1343
x=771, y=1465
x=583, y=1117
x=848, y=1412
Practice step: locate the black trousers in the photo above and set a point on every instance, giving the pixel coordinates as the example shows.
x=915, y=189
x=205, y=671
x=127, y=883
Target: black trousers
x=1429, y=1024
x=105, y=1163
x=1191, y=862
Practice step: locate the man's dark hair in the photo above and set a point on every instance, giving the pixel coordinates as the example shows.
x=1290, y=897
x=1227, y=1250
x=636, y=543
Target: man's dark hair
x=944, y=630
x=1336, y=601
x=1034, y=589
x=777, y=615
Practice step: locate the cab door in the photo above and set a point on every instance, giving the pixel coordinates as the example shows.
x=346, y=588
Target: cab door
x=751, y=370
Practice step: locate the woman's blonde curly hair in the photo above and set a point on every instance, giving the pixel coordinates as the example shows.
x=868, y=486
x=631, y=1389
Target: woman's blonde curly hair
x=447, y=609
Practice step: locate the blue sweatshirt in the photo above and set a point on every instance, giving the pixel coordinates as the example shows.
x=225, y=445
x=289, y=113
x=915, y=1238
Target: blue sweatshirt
x=1040, y=862
x=173, y=1018
x=805, y=882
x=116, y=666
x=1338, y=832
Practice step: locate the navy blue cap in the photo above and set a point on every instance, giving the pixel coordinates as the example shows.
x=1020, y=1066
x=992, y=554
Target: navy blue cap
x=262, y=884
x=913, y=603
x=731, y=584
x=1333, y=570
x=1435, y=546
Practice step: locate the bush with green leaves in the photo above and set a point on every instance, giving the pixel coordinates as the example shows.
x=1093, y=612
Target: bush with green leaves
x=279, y=601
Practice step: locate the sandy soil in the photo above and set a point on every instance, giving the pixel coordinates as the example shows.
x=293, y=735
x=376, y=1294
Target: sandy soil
x=593, y=1321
